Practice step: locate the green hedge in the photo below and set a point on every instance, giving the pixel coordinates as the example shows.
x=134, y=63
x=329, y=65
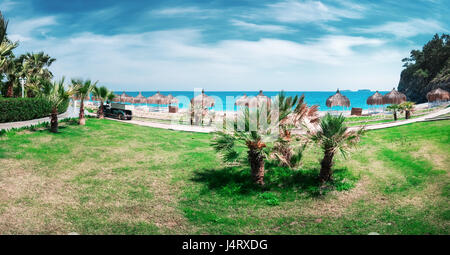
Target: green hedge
x=20, y=109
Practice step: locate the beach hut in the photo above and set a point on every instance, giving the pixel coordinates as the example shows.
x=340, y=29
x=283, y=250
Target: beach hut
x=171, y=99
x=242, y=101
x=203, y=100
x=437, y=96
x=338, y=100
x=139, y=99
x=259, y=100
x=394, y=97
x=157, y=99
x=375, y=99
x=199, y=107
x=124, y=98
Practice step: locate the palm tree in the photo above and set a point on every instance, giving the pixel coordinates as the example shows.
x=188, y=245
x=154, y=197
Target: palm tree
x=333, y=136
x=293, y=113
x=6, y=46
x=35, y=66
x=227, y=143
x=82, y=89
x=12, y=70
x=407, y=107
x=5, y=51
x=57, y=95
x=102, y=94
x=394, y=108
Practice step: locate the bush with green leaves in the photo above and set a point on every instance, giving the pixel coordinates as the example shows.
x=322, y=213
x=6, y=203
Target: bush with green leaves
x=21, y=109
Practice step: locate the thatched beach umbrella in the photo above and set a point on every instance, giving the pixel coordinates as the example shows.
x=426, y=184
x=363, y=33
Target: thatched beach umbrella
x=438, y=95
x=157, y=98
x=124, y=98
x=242, y=101
x=171, y=99
x=259, y=100
x=338, y=100
x=139, y=99
x=394, y=97
x=203, y=100
x=375, y=99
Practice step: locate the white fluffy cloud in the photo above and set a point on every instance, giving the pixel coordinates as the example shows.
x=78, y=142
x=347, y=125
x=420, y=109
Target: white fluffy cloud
x=313, y=11
x=407, y=28
x=262, y=28
x=180, y=60
x=23, y=30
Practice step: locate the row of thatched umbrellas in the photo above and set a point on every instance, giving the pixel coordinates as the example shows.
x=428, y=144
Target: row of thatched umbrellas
x=201, y=99
x=157, y=98
x=393, y=97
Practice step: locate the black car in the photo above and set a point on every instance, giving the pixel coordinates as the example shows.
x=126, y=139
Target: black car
x=117, y=113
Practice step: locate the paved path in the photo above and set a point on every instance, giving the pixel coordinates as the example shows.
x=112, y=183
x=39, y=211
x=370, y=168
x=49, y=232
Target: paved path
x=213, y=129
x=73, y=113
x=70, y=113
x=177, y=127
x=403, y=122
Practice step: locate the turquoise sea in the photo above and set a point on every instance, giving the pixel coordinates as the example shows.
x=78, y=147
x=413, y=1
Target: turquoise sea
x=357, y=98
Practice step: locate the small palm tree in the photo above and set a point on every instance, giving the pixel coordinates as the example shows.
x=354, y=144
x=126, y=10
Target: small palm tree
x=394, y=108
x=407, y=107
x=333, y=136
x=293, y=113
x=56, y=94
x=82, y=89
x=228, y=143
x=102, y=94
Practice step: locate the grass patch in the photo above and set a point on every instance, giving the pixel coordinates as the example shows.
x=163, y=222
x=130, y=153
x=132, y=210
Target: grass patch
x=110, y=177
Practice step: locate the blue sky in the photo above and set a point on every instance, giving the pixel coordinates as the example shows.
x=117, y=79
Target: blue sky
x=228, y=45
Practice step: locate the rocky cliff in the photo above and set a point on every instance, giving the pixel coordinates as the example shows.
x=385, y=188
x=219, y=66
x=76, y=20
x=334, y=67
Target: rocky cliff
x=426, y=69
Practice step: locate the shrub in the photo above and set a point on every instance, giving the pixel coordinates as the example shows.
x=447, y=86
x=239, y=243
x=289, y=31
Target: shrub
x=21, y=109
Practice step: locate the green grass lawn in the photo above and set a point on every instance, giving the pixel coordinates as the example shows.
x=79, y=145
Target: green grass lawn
x=115, y=178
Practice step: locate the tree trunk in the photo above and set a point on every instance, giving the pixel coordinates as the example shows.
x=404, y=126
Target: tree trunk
x=407, y=114
x=10, y=91
x=81, y=118
x=54, y=121
x=100, y=113
x=326, y=165
x=395, y=115
x=256, y=159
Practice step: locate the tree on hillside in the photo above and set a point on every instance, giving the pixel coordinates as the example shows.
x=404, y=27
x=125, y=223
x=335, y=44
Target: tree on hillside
x=424, y=66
